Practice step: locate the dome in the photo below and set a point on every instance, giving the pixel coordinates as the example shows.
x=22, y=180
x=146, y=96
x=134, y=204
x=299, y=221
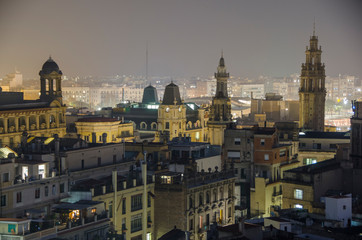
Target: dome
x=50, y=66
x=149, y=95
x=172, y=93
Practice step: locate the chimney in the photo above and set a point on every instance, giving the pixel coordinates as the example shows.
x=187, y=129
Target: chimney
x=124, y=184
x=104, y=189
x=134, y=182
x=92, y=192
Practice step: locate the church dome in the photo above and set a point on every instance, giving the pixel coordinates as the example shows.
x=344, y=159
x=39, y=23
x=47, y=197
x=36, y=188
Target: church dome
x=172, y=93
x=50, y=66
x=149, y=95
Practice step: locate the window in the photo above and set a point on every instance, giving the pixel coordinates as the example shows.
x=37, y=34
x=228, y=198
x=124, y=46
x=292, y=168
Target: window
x=201, y=200
x=136, y=223
x=298, y=206
x=191, y=205
x=302, y=145
x=266, y=157
x=317, y=146
x=262, y=142
x=82, y=164
x=110, y=210
x=124, y=207
x=307, y=161
x=3, y=200
x=298, y=194
x=229, y=212
x=234, y=154
x=99, y=162
x=54, y=190
x=167, y=125
x=191, y=227
x=18, y=197
x=62, y=188
x=148, y=200
x=333, y=146
x=46, y=191
x=37, y=193
x=282, y=153
x=207, y=219
x=344, y=207
x=236, y=141
x=136, y=202
x=5, y=177
x=207, y=197
x=242, y=173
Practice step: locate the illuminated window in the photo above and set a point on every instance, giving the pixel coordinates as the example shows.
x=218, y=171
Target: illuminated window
x=197, y=136
x=298, y=194
x=298, y=206
x=266, y=157
x=307, y=161
x=94, y=210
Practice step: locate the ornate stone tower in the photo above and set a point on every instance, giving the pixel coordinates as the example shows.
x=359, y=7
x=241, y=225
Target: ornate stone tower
x=171, y=118
x=312, y=91
x=50, y=75
x=220, y=111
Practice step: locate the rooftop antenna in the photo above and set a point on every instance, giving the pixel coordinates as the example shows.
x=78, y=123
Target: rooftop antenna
x=147, y=63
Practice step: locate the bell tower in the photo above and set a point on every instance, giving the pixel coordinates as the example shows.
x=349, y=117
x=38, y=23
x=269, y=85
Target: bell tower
x=50, y=82
x=220, y=111
x=312, y=91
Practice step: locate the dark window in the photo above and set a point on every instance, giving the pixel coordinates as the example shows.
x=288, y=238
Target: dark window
x=191, y=224
x=6, y=177
x=114, y=159
x=124, y=206
x=344, y=207
x=201, y=201
x=62, y=188
x=82, y=164
x=99, y=162
x=46, y=191
x=207, y=219
x=317, y=146
x=262, y=142
x=136, y=202
x=136, y=223
x=237, y=141
x=54, y=190
x=18, y=197
x=167, y=125
x=37, y=193
x=242, y=173
x=3, y=200
x=229, y=212
x=110, y=210
x=148, y=200
x=191, y=203
x=207, y=197
x=333, y=146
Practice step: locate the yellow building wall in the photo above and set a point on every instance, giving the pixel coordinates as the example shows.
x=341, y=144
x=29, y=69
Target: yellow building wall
x=289, y=200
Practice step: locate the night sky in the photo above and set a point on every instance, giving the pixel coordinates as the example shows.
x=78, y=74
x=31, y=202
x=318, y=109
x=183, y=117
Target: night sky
x=184, y=37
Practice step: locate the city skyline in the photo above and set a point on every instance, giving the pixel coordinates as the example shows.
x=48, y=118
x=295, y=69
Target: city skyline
x=183, y=39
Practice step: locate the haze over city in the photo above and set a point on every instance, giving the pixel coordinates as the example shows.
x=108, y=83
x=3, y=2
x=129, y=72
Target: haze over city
x=184, y=38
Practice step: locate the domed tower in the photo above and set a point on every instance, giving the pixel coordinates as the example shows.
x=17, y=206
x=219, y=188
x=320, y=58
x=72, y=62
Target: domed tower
x=171, y=114
x=50, y=74
x=312, y=91
x=150, y=95
x=220, y=110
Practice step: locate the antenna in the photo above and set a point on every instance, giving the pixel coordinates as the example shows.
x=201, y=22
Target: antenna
x=147, y=63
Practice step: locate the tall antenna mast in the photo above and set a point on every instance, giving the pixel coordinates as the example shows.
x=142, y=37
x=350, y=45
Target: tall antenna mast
x=147, y=63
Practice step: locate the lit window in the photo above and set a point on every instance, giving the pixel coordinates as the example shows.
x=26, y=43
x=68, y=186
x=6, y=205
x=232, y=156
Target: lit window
x=298, y=206
x=266, y=157
x=307, y=161
x=298, y=194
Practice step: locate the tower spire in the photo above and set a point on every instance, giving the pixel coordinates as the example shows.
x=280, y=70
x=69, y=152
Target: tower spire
x=314, y=27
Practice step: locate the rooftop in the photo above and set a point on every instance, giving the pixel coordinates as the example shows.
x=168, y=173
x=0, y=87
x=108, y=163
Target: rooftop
x=325, y=135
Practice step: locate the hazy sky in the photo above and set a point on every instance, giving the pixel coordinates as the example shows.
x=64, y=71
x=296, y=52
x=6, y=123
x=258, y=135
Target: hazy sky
x=184, y=37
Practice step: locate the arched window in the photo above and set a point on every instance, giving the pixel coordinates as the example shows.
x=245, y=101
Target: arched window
x=143, y=125
x=207, y=197
x=201, y=199
x=154, y=126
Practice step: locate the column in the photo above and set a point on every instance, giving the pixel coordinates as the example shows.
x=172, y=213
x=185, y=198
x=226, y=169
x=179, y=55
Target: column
x=6, y=120
x=27, y=123
x=57, y=119
x=37, y=122
x=16, y=124
x=47, y=120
